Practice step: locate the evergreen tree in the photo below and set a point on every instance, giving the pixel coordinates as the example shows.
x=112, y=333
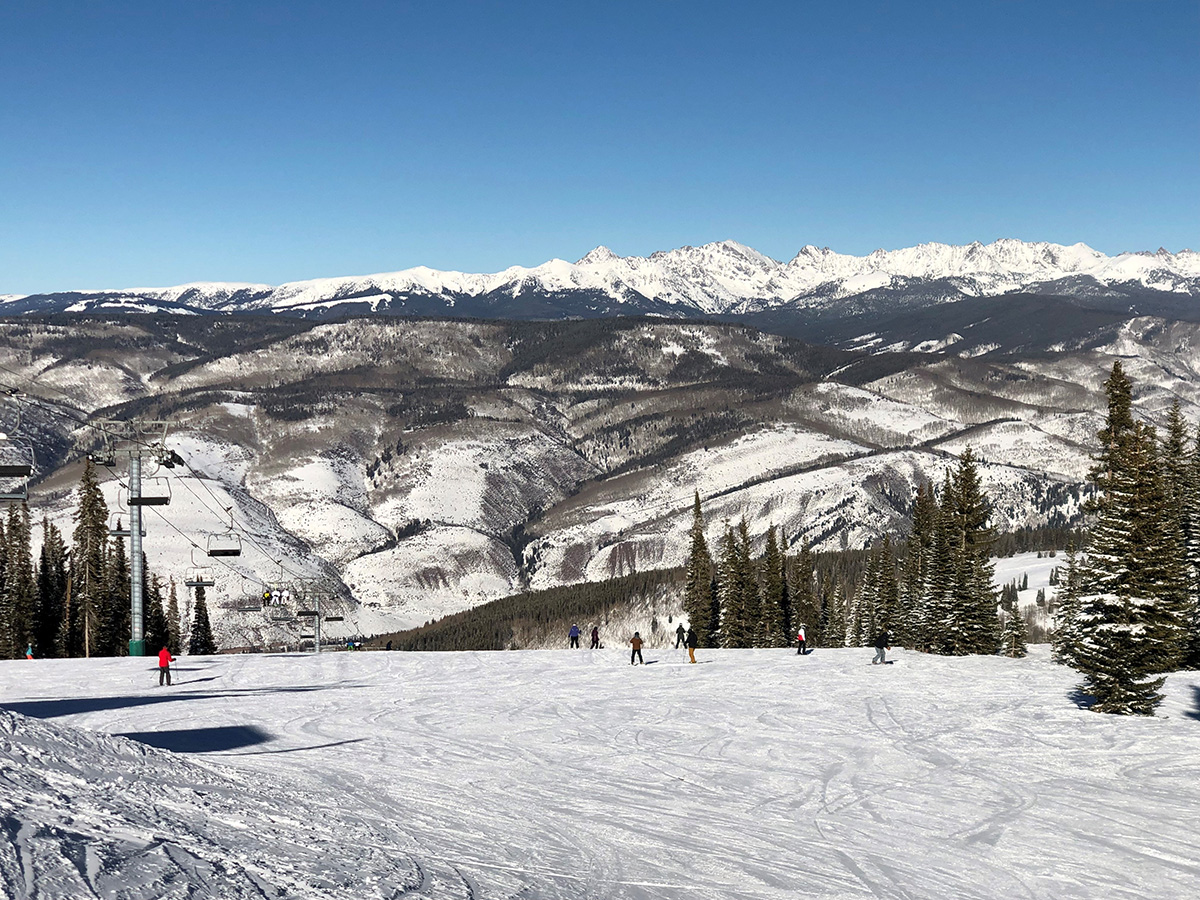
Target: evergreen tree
x=156, y=634
x=937, y=609
x=1128, y=617
x=774, y=595
x=833, y=621
x=752, y=608
x=115, y=623
x=1067, y=633
x=697, y=597
x=88, y=565
x=1013, y=637
x=887, y=598
x=910, y=625
x=202, y=643
x=734, y=628
x=806, y=607
x=174, y=643
x=972, y=626
x=8, y=647
x=51, y=576
x=20, y=586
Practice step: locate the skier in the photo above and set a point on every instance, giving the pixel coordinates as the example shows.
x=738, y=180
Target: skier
x=389, y=645
x=28, y=651
x=164, y=666
x=800, y=642
x=636, y=656
x=883, y=643
x=691, y=641
x=680, y=636
x=595, y=637
x=573, y=634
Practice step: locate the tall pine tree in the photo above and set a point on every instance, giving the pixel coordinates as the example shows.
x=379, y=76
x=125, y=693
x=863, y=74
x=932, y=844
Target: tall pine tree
x=697, y=597
x=202, y=643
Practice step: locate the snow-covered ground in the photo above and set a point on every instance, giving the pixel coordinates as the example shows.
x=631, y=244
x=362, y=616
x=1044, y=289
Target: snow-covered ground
x=568, y=774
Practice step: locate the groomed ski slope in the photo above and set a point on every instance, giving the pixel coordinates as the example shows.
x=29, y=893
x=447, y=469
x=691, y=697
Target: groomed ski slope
x=570, y=774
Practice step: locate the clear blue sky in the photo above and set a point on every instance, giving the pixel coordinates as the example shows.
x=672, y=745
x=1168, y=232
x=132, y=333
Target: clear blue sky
x=160, y=142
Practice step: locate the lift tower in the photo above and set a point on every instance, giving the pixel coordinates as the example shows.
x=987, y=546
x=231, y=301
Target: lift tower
x=138, y=439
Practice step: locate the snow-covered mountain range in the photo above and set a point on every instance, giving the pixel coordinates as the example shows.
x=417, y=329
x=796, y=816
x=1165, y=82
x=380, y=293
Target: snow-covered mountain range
x=724, y=278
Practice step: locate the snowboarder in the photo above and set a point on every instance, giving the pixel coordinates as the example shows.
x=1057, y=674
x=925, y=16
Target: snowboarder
x=883, y=643
x=573, y=634
x=691, y=641
x=680, y=636
x=164, y=666
x=800, y=641
x=389, y=645
x=28, y=651
x=595, y=637
x=636, y=656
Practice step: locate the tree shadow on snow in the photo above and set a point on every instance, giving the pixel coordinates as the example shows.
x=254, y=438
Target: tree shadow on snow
x=1194, y=713
x=1082, y=698
x=68, y=706
x=202, y=740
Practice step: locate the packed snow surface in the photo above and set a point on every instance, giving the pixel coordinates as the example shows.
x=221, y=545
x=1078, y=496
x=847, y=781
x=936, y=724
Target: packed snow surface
x=568, y=774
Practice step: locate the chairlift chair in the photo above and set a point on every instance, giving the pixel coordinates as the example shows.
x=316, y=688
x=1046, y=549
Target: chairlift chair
x=16, y=457
x=198, y=576
x=224, y=545
x=14, y=490
x=155, y=492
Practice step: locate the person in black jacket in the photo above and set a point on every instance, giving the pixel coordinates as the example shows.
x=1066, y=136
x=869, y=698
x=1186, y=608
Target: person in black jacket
x=691, y=640
x=883, y=643
x=679, y=636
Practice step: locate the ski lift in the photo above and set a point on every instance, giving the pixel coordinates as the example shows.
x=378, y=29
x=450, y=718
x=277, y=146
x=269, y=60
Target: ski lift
x=16, y=457
x=250, y=606
x=14, y=490
x=279, y=614
x=155, y=492
x=227, y=544
x=335, y=618
x=198, y=576
x=119, y=531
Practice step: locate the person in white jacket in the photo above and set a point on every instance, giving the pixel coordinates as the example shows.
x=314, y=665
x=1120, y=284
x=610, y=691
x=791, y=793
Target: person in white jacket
x=800, y=642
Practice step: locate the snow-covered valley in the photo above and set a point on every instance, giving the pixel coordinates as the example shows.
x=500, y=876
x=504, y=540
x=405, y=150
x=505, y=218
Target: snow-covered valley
x=426, y=467
x=567, y=774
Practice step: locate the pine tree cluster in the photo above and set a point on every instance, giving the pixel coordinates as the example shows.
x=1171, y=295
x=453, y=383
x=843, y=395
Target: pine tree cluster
x=1131, y=611
x=933, y=592
x=74, y=601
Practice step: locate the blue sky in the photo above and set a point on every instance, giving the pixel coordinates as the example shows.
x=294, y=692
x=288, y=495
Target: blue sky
x=158, y=143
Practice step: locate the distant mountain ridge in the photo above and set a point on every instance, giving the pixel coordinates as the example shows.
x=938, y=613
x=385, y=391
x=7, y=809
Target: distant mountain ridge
x=718, y=279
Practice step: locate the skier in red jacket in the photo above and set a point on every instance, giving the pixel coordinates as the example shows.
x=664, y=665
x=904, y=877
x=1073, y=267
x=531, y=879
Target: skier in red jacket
x=164, y=666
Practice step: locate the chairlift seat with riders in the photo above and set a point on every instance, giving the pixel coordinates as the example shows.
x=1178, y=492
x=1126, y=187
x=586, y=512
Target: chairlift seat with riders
x=198, y=576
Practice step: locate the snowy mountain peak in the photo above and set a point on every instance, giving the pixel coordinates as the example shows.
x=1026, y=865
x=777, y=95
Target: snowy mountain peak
x=600, y=255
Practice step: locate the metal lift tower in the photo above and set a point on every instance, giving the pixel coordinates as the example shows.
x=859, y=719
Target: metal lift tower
x=138, y=439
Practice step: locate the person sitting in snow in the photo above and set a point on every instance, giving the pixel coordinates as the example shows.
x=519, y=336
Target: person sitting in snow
x=636, y=656
x=164, y=666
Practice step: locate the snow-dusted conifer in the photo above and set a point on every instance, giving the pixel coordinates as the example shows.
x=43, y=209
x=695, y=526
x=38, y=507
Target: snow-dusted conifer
x=89, y=542
x=19, y=585
x=973, y=625
x=174, y=644
x=909, y=624
x=697, y=597
x=806, y=607
x=1013, y=636
x=51, y=581
x=774, y=595
x=202, y=643
x=752, y=608
x=734, y=632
